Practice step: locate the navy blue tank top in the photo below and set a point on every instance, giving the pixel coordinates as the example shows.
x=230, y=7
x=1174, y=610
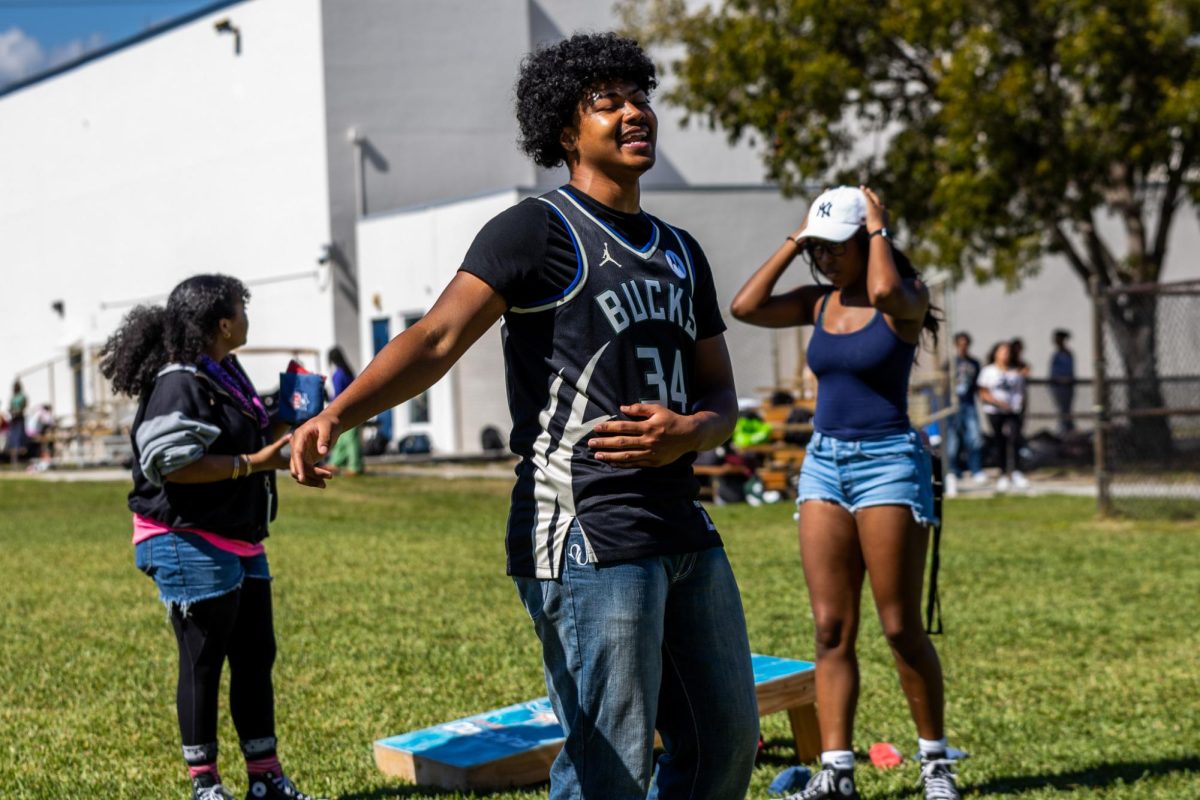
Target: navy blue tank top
x=862, y=379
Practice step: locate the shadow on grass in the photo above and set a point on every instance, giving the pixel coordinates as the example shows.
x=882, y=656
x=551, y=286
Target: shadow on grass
x=408, y=790
x=1100, y=776
x=781, y=752
x=1097, y=777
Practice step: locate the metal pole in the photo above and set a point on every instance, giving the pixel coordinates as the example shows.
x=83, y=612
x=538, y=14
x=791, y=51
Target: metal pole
x=1101, y=405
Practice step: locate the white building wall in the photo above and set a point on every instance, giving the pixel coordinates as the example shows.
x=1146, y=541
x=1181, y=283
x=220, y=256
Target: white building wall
x=163, y=159
x=405, y=260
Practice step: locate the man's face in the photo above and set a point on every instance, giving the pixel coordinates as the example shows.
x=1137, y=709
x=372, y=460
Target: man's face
x=962, y=344
x=616, y=129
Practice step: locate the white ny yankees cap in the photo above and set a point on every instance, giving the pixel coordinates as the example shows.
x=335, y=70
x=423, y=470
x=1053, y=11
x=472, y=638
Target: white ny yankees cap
x=836, y=214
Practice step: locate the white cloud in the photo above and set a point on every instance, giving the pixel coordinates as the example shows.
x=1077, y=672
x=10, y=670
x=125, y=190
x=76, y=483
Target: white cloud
x=20, y=55
x=74, y=49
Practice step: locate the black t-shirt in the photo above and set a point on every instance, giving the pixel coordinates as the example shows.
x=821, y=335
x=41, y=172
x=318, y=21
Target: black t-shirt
x=605, y=309
x=966, y=374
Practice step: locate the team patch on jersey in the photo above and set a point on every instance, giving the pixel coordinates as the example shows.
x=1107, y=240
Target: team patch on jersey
x=676, y=264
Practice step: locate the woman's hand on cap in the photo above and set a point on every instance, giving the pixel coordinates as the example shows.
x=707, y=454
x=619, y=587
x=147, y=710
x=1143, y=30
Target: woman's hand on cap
x=876, y=210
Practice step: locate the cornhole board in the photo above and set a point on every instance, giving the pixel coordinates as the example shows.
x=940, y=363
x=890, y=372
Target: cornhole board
x=515, y=745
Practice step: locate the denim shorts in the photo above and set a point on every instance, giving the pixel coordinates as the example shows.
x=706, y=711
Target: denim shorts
x=188, y=569
x=893, y=470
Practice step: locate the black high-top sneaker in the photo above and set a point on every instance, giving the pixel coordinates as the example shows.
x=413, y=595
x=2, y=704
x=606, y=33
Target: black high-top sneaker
x=269, y=786
x=828, y=784
x=207, y=786
x=937, y=778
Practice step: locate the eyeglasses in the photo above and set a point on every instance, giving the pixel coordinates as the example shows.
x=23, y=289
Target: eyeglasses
x=814, y=249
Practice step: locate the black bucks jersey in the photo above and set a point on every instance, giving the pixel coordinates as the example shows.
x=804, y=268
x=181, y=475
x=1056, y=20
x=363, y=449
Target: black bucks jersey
x=605, y=310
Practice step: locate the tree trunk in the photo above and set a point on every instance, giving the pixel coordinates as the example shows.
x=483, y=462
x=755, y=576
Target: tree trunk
x=1133, y=326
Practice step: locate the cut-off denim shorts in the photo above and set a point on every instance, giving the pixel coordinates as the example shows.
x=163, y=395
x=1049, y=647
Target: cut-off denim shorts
x=188, y=569
x=893, y=470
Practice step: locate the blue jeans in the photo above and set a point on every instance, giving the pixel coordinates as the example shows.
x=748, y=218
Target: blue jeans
x=963, y=428
x=634, y=645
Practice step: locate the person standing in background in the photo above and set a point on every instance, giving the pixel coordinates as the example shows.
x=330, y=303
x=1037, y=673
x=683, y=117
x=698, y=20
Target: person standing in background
x=16, y=443
x=203, y=498
x=1002, y=390
x=963, y=427
x=346, y=456
x=866, y=487
x=1062, y=380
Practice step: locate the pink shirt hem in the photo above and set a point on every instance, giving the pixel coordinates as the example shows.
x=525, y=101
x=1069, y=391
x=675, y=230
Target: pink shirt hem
x=145, y=528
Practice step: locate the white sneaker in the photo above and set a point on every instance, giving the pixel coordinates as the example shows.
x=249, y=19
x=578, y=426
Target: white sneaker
x=1002, y=483
x=1019, y=480
x=951, y=486
x=979, y=478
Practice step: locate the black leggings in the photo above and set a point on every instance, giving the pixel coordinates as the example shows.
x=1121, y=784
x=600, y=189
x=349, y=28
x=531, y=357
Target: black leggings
x=1006, y=428
x=237, y=626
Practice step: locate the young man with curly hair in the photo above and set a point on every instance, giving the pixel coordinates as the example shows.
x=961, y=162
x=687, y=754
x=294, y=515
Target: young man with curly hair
x=617, y=374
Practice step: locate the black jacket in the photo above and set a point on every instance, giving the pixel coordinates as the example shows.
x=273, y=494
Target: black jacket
x=185, y=416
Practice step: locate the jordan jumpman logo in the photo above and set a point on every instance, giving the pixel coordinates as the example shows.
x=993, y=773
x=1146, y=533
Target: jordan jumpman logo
x=607, y=258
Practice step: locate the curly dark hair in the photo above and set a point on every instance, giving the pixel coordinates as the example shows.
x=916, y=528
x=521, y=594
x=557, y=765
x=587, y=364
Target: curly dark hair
x=150, y=337
x=554, y=79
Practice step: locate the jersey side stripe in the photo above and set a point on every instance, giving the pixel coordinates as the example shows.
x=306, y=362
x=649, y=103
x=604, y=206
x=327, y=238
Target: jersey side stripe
x=554, y=489
x=581, y=273
x=641, y=252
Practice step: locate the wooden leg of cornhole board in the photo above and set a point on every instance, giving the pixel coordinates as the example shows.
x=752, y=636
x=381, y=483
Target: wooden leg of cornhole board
x=806, y=732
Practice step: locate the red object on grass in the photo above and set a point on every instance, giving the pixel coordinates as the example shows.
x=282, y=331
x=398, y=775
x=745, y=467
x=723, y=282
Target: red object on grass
x=885, y=756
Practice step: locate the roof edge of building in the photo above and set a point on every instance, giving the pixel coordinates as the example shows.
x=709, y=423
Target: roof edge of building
x=117, y=46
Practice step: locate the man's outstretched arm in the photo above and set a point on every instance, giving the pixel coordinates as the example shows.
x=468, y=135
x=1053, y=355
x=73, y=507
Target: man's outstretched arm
x=407, y=366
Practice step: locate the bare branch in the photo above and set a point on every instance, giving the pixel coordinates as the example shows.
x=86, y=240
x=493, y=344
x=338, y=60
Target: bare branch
x=1167, y=206
x=1103, y=261
x=1064, y=243
x=1122, y=196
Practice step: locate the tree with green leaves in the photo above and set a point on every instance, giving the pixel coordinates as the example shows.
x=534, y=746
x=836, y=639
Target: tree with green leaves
x=1004, y=128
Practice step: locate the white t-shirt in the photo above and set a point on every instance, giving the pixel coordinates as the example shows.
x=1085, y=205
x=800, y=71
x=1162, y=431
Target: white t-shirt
x=1005, y=385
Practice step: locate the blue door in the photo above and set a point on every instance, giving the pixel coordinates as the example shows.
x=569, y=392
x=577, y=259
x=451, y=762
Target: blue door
x=381, y=334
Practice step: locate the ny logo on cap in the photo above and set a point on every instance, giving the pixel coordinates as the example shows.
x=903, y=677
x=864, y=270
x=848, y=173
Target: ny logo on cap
x=824, y=209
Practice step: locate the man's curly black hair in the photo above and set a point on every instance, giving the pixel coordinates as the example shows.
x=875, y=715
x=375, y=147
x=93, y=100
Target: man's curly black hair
x=150, y=337
x=554, y=79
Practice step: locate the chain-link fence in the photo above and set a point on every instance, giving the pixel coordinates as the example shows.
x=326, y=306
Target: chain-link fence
x=1147, y=396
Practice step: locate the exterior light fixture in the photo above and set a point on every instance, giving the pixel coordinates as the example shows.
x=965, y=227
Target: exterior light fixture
x=225, y=26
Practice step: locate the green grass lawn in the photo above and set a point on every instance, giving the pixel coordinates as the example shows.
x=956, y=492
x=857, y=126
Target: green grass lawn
x=1070, y=651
